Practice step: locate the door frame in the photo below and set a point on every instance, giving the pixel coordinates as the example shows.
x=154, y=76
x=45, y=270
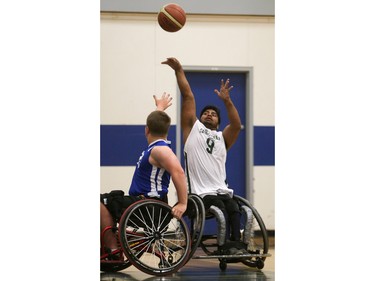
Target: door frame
x=249, y=143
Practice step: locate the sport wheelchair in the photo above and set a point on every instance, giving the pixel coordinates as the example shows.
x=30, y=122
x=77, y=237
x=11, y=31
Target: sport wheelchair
x=253, y=232
x=150, y=239
x=158, y=244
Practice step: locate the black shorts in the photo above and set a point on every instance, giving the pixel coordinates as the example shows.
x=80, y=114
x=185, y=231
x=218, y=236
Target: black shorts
x=222, y=201
x=117, y=202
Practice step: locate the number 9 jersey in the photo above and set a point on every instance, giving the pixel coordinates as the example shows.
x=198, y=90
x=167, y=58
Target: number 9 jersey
x=205, y=156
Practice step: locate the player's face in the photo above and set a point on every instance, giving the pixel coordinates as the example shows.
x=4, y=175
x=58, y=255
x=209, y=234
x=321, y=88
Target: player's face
x=210, y=119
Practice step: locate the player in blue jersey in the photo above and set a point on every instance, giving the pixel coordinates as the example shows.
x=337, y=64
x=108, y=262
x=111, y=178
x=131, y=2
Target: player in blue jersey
x=155, y=167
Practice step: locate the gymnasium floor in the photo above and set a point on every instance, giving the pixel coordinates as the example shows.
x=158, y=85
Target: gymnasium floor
x=202, y=269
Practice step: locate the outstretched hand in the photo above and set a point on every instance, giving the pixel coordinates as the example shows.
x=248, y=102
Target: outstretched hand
x=173, y=63
x=224, y=90
x=164, y=102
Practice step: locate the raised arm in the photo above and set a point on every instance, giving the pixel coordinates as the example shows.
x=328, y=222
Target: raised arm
x=163, y=156
x=163, y=102
x=232, y=130
x=188, y=109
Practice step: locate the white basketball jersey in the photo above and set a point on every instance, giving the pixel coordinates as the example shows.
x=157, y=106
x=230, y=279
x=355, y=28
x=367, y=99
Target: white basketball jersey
x=206, y=155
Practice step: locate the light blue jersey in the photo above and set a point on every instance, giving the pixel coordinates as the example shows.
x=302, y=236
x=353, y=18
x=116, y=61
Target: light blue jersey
x=149, y=180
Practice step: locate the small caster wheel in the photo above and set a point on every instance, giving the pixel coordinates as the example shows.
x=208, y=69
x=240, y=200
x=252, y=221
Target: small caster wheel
x=260, y=264
x=223, y=265
x=170, y=259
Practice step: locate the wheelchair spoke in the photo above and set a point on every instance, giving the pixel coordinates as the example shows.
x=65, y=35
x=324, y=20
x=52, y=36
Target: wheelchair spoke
x=162, y=256
x=151, y=217
x=156, y=245
x=143, y=221
x=164, y=219
x=141, y=247
x=135, y=238
x=156, y=225
x=173, y=243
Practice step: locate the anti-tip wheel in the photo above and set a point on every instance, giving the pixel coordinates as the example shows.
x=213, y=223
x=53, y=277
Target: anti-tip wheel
x=260, y=263
x=223, y=265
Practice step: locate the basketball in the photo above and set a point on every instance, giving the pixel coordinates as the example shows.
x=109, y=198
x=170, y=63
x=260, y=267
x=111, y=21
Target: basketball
x=171, y=17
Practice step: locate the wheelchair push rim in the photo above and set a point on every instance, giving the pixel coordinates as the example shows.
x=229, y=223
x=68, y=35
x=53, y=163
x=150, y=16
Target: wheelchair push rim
x=152, y=240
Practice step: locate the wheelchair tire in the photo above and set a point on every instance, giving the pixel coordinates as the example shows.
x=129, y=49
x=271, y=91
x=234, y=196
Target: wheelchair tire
x=152, y=240
x=257, y=244
x=196, y=221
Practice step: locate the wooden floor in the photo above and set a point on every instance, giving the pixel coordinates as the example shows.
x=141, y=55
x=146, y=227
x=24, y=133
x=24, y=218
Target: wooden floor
x=203, y=269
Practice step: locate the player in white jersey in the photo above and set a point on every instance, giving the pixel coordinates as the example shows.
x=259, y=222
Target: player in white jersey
x=206, y=148
x=211, y=162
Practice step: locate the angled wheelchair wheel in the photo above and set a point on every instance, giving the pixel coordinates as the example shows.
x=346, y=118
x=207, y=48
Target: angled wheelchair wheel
x=112, y=262
x=253, y=234
x=211, y=242
x=152, y=240
x=195, y=219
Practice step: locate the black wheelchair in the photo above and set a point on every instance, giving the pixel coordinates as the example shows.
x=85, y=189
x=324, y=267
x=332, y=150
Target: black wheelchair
x=158, y=244
x=253, y=234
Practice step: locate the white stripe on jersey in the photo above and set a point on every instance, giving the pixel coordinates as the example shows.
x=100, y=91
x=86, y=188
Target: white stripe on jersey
x=161, y=173
x=156, y=181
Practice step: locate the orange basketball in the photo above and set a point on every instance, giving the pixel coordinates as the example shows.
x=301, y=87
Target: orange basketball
x=171, y=17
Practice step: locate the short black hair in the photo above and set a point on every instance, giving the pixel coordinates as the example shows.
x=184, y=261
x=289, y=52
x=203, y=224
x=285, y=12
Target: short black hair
x=213, y=107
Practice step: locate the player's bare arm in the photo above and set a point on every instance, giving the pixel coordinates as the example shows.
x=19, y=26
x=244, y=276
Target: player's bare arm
x=188, y=107
x=163, y=157
x=232, y=130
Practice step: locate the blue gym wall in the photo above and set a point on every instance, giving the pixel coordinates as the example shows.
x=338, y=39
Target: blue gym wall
x=120, y=145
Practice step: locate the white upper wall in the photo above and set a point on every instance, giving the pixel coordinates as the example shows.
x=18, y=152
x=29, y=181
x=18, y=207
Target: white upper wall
x=133, y=47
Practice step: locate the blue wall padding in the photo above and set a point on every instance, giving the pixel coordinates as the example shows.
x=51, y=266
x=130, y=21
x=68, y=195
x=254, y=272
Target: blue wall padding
x=264, y=146
x=121, y=145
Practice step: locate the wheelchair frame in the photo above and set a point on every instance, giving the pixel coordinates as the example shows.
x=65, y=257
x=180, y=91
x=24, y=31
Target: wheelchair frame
x=254, y=235
x=158, y=244
x=150, y=239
